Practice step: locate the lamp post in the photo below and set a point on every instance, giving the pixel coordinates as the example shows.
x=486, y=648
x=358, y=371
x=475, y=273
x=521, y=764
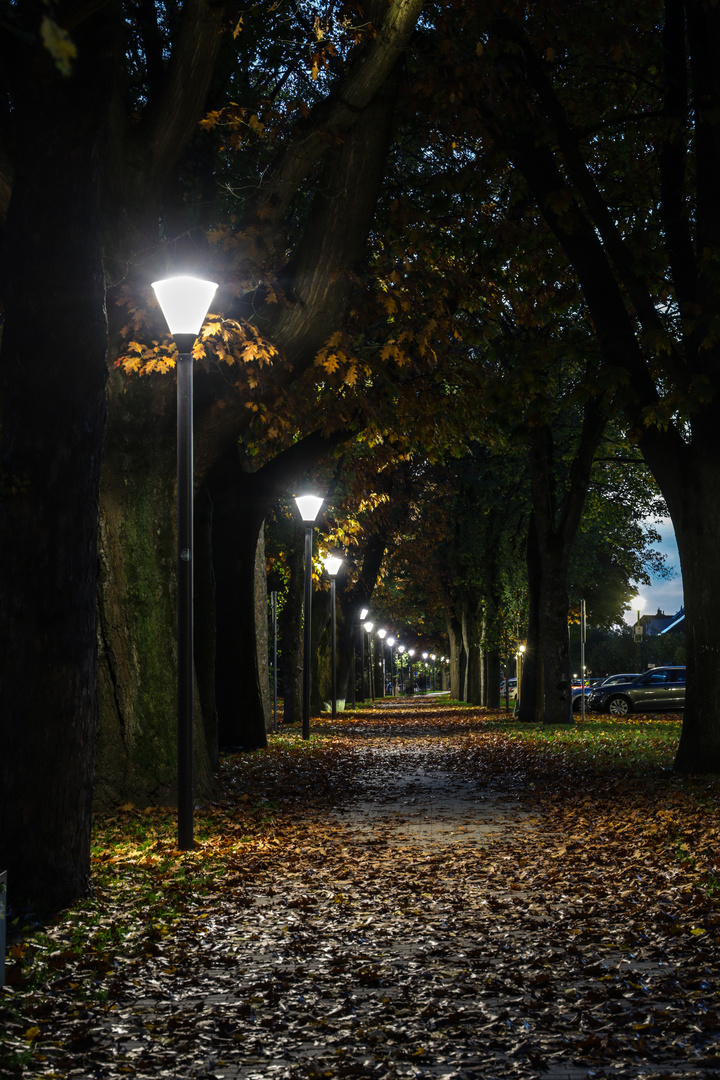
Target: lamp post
x=368, y=630
x=332, y=565
x=411, y=653
x=381, y=634
x=425, y=656
x=309, y=506
x=184, y=302
x=401, y=650
x=363, y=616
x=432, y=678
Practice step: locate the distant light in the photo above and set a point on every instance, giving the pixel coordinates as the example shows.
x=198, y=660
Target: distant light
x=363, y=613
x=381, y=634
x=368, y=627
x=332, y=564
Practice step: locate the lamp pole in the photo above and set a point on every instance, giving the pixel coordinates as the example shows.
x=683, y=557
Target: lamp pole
x=411, y=653
x=332, y=565
x=401, y=650
x=432, y=680
x=309, y=506
x=425, y=656
x=184, y=302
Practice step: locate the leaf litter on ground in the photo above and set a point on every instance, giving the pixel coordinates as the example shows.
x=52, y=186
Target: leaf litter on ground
x=421, y=890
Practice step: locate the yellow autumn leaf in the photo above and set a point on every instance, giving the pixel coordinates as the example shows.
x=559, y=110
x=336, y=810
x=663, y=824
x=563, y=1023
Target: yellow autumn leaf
x=31, y=1033
x=59, y=44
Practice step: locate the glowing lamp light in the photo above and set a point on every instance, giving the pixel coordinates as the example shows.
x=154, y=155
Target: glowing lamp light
x=309, y=506
x=184, y=301
x=332, y=564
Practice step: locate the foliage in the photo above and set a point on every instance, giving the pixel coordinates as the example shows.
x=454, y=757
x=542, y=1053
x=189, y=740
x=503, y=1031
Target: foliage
x=305, y=938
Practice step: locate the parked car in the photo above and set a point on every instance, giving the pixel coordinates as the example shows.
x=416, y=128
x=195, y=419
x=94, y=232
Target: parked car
x=661, y=688
x=593, y=684
x=577, y=691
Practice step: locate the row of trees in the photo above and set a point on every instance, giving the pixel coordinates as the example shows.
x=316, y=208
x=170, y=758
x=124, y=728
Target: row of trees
x=443, y=233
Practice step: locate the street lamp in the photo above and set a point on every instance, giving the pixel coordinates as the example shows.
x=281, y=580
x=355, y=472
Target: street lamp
x=401, y=650
x=411, y=653
x=432, y=680
x=368, y=630
x=309, y=506
x=184, y=301
x=332, y=565
x=381, y=634
x=425, y=656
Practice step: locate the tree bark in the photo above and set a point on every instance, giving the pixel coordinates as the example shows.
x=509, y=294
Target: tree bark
x=52, y=389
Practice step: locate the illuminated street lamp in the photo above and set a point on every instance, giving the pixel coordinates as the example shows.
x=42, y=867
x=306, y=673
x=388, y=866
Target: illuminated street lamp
x=432, y=680
x=309, y=507
x=411, y=653
x=332, y=565
x=425, y=656
x=184, y=302
x=401, y=650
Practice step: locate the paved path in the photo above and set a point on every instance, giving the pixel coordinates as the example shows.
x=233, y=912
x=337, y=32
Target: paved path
x=413, y=938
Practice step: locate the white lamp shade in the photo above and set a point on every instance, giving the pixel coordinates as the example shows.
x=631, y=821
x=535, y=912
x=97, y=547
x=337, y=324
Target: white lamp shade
x=424, y=656
x=309, y=506
x=382, y=633
x=363, y=614
x=332, y=564
x=391, y=641
x=184, y=302
x=401, y=648
x=411, y=652
x=368, y=627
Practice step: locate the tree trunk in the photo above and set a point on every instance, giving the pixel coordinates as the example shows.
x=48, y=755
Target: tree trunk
x=689, y=491
x=52, y=390
x=457, y=666
x=472, y=646
x=137, y=734
x=290, y=630
x=532, y=696
x=239, y=510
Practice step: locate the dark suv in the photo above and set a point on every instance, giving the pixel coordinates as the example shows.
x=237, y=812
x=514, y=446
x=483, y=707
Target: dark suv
x=659, y=688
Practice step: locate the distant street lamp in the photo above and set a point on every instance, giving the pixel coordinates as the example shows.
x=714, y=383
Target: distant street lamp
x=309, y=507
x=184, y=302
x=332, y=565
x=411, y=653
x=401, y=650
x=425, y=656
x=368, y=630
x=432, y=680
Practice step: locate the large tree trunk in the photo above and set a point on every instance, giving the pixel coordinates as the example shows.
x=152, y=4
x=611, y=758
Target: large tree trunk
x=457, y=654
x=137, y=733
x=532, y=695
x=688, y=478
x=52, y=389
x=472, y=647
